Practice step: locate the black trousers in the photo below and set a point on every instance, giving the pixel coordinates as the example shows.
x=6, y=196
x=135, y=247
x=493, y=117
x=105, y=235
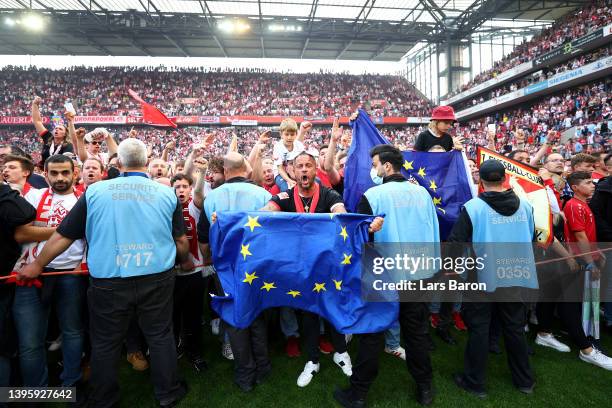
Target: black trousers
x=134, y=340
x=188, y=308
x=311, y=327
x=477, y=317
x=250, y=349
x=112, y=303
x=558, y=281
x=413, y=319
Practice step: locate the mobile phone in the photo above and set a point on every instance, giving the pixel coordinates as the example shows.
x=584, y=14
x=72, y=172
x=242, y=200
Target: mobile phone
x=70, y=107
x=275, y=133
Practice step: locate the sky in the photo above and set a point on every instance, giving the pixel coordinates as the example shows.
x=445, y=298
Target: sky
x=270, y=64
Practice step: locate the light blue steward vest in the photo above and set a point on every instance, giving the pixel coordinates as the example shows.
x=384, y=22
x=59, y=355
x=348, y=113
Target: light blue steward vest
x=129, y=227
x=238, y=196
x=507, y=242
x=410, y=217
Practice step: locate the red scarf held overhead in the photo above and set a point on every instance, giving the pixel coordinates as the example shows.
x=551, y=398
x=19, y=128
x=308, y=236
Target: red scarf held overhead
x=299, y=205
x=191, y=231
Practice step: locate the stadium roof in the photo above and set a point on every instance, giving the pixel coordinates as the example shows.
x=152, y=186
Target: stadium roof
x=381, y=30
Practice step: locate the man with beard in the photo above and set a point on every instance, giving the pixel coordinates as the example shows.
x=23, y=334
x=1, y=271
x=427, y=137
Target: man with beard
x=16, y=171
x=66, y=292
x=56, y=143
x=310, y=197
x=249, y=345
x=92, y=172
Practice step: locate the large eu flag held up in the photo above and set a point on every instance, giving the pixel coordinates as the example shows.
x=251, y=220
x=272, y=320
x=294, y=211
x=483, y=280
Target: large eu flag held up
x=444, y=175
x=304, y=261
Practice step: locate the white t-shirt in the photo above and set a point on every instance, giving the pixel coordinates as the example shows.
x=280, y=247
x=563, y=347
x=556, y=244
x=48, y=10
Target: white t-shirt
x=280, y=152
x=60, y=207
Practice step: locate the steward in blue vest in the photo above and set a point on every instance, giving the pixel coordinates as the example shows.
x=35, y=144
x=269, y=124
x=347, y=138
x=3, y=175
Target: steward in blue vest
x=410, y=216
x=250, y=345
x=500, y=227
x=135, y=232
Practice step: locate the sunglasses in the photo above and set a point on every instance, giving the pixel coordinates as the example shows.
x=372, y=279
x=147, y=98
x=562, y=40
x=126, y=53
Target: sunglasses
x=96, y=143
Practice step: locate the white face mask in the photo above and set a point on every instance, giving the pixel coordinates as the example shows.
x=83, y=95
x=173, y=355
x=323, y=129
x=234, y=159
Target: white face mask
x=375, y=177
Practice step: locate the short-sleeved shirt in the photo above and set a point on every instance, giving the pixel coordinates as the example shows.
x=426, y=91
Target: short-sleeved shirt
x=426, y=140
x=328, y=200
x=280, y=152
x=579, y=218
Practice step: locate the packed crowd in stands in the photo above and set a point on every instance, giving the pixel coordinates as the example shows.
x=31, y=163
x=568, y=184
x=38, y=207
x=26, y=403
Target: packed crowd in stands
x=187, y=92
x=573, y=25
x=536, y=77
x=587, y=107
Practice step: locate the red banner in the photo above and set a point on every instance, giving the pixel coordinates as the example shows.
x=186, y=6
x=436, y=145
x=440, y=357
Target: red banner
x=19, y=120
x=108, y=120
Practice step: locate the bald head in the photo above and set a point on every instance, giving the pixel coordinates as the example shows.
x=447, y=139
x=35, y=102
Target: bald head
x=234, y=165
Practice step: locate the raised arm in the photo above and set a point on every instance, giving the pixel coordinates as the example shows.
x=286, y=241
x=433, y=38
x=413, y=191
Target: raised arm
x=305, y=128
x=201, y=165
x=330, y=158
x=36, y=118
x=80, y=144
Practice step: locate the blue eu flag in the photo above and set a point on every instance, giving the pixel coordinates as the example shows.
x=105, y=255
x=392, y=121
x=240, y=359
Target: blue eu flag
x=304, y=261
x=358, y=163
x=444, y=175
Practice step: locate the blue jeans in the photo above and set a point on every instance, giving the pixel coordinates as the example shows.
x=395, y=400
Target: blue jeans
x=31, y=318
x=392, y=336
x=288, y=322
x=607, y=292
x=281, y=183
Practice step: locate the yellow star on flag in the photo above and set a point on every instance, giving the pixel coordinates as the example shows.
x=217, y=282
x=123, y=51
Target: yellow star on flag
x=421, y=172
x=347, y=259
x=331, y=216
x=249, y=277
x=294, y=293
x=245, y=251
x=252, y=223
x=267, y=286
x=319, y=287
x=343, y=233
x=437, y=200
x=408, y=165
x=338, y=284
x=432, y=185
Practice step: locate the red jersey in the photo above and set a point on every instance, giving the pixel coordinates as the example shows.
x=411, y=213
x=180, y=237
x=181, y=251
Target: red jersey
x=322, y=175
x=579, y=218
x=272, y=188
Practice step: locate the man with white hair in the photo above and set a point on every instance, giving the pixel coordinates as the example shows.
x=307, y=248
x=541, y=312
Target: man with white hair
x=135, y=232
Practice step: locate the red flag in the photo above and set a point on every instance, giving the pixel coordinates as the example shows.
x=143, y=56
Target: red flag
x=150, y=114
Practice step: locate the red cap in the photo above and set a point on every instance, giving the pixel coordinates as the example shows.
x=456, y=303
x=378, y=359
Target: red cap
x=443, y=113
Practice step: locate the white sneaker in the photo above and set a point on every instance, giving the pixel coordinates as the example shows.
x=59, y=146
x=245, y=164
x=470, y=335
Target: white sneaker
x=550, y=341
x=214, y=326
x=344, y=362
x=56, y=344
x=226, y=351
x=310, y=369
x=398, y=352
x=597, y=358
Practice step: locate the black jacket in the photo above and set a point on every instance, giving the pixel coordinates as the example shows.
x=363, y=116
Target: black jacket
x=601, y=205
x=14, y=211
